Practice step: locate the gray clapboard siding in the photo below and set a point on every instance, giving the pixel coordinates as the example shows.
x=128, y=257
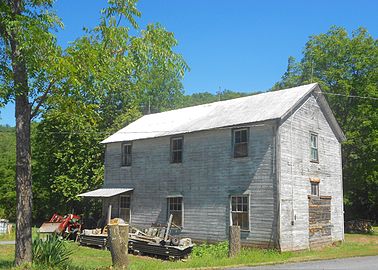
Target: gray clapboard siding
x=206, y=179
x=296, y=169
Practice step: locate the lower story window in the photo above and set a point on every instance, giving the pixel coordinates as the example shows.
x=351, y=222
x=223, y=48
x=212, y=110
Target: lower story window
x=240, y=211
x=124, y=208
x=175, y=209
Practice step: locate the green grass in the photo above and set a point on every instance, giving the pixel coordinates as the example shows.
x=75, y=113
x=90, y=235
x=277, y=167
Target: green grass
x=12, y=235
x=375, y=228
x=84, y=258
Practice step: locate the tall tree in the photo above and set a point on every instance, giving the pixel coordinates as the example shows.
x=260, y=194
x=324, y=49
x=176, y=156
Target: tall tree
x=111, y=78
x=346, y=66
x=27, y=53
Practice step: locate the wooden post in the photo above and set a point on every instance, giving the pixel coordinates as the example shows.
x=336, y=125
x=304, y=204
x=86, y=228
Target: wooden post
x=109, y=214
x=118, y=237
x=168, y=228
x=234, y=241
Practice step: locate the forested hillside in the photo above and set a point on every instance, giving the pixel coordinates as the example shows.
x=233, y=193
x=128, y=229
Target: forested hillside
x=7, y=172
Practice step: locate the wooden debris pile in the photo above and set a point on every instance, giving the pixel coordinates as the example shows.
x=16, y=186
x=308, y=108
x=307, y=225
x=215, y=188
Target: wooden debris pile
x=359, y=226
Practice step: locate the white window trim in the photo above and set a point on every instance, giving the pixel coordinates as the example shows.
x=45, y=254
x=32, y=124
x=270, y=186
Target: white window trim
x=317, y=147
x=248, y=195
x=119, y=207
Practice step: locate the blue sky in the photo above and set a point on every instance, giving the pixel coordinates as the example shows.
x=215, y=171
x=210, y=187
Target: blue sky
x=241, y=45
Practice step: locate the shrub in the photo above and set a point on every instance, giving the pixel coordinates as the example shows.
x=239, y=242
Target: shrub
x=51, y=252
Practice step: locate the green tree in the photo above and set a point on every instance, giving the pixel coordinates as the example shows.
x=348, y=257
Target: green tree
x=28, y=55
x=346, y=67
x=207, y=97
x=112, y=77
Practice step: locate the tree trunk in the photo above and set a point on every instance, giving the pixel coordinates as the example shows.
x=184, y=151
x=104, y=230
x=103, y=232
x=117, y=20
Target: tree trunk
x=118, y=239
x=23, y=154
x=23, y=182
x=234, y=241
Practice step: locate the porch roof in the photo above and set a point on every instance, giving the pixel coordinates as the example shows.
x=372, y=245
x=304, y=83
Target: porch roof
x=105, y=192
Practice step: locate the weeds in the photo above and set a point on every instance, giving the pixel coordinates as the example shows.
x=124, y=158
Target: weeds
x=219, y=250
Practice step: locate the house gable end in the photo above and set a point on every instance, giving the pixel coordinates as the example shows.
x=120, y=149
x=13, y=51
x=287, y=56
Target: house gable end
x=325, y=109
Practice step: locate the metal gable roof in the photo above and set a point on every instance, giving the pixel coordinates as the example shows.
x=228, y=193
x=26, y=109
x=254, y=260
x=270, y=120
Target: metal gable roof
x=105, y=192
x=256, y=108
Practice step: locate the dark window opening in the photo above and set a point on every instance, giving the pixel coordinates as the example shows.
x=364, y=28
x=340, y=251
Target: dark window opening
x=314, y=189
x=176, y=150
x=126, y=154
x=240, y=143
x=175, y=208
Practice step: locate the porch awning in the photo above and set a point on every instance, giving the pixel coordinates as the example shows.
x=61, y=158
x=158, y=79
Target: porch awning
x=105, y=192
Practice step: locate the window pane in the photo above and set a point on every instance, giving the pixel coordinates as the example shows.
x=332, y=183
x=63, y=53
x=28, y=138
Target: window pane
x=244, y=221
x=179, y=144
x=174, y=144
x=240, y=219
x=125, y=202
x=243, y=136
x=241, y=150
x=314, y=154
x=245, y=200
x=126, y=154
x=245, y=207
x=240, y=200
x=177, y=218
x=125, y=214
x=314, y=140
x=179, y=157
x=235, y=219
x=237, y=136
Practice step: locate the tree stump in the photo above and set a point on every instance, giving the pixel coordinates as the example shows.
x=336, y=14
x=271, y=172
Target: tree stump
x=234, y=245
x=118, y=236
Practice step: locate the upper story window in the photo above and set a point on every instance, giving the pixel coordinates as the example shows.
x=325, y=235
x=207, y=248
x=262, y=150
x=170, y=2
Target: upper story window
x=126, y=154
x=314, y=147
x=240, y=142
x=240, y=211
x=176, y=149
x=175, y=209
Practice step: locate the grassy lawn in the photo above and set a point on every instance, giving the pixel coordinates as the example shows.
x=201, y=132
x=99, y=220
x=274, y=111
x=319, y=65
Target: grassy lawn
x=88, y=258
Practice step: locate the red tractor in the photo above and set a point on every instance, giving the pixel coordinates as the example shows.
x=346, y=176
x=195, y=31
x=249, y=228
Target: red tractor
x=68, y=226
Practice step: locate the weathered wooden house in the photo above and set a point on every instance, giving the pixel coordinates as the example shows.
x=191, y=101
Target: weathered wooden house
x=270, y=163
